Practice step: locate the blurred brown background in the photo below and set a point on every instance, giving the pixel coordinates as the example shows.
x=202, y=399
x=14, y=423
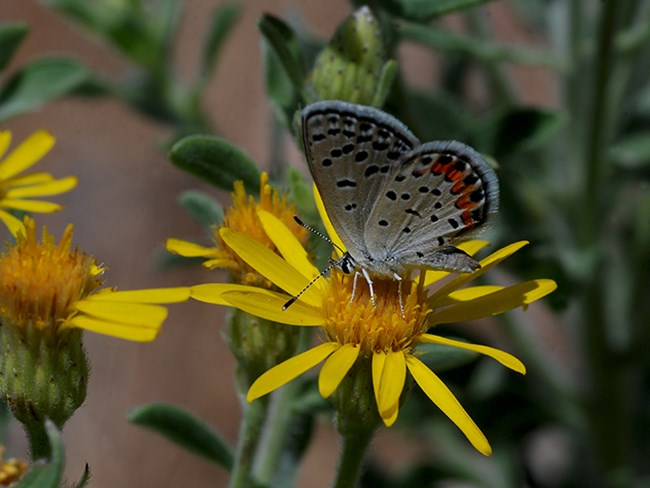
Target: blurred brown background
x=125, y=207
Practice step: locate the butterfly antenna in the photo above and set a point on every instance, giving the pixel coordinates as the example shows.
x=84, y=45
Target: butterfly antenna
x=295, y=297
x=316, y=232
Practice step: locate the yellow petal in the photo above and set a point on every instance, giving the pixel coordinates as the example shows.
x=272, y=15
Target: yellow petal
x=289, y=370
x=391, y=386
x=151, y=295
x=30, y=205
x=189, y=249
x=29, y=179
x=328, y=223
x=486, y=264
x=445, y=400
x=336, y=367
x=470, y=247
x=123, y=331
x=508, y=360
x=288, y=245
x=13, y=224
x=271, y=266
x=467, y=294
x=213, y=292
x=137, y=314
x=378, y=361
x=48, y=188
x=26, y=154
x=495, y=303
x=5, y=141
x=268, y=305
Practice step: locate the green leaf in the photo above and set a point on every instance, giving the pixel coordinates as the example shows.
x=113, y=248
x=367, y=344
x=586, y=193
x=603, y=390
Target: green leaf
x=282, y=40
x=85, y=478
x=39, y=82
x=301, y=194
x=185, y=429
x=423, y=10
x=478, y=49
x=11, y=35
x=47, y=475
x=223, y=21
x=216, y=161
x=633, y=151
x=279, y=88
x=202, y=208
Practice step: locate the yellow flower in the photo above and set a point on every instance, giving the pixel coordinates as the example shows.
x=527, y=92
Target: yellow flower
x=354, y=328
x=12, y=469
x=17, y=189
x=49, y=286
x=242, y=216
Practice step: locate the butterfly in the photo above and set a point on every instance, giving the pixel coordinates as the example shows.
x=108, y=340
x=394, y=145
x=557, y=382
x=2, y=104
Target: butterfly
x=396, y=204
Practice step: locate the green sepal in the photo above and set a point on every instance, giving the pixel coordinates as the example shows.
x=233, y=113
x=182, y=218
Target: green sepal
x=185, y=429
x=300, y=193
x=424, y=10
x=85, y=478
x=39, y=82
x=441, y=358
x=47, y=475
x=223, y=20
x=202, y=208
x=216, y=161
x=386, y=79
x=11, y=36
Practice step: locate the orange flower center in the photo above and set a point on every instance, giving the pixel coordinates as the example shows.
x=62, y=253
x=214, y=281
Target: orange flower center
x=382, y=327
x=39, y=282
x=242, y=216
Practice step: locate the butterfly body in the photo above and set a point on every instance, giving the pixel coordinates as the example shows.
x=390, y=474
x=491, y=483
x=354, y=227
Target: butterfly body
x=396, y=204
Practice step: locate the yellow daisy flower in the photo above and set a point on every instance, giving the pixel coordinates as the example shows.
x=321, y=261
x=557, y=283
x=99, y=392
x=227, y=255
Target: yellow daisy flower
x=12, y=469
x=242, y=216
x=53, y=287
x=18, y=189
x=354, y=328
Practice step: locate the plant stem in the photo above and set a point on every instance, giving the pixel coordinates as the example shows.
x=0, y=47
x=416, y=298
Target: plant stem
x=355, y=445
x=39, y=443
x=249, y=436
x=277, y=426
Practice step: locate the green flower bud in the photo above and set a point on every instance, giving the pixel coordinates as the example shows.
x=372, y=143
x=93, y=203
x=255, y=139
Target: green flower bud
x=352, y=66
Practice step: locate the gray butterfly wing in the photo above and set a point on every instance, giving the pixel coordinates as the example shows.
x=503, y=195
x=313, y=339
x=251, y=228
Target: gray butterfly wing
x=443, y=191
x=351, y=149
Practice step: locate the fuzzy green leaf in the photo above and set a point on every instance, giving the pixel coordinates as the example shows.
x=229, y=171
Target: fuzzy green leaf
x=223, y=21
x=11, y=35
x=185, y=429
x=39, y=82
x=282, y=40
x=216, y=161
x=202, y=207
x=423, y=10
x=47, y=475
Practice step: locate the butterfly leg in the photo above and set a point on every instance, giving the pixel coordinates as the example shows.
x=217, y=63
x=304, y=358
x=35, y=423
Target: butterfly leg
x=372, y=288
x=399, y=293
x=354, y=286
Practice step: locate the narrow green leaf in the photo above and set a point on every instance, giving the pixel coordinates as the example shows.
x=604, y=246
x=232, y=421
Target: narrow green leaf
x=185, y=429
x=47, y=475
x=216, y=161
x=39, y=82
x=202, y=208
x=279, y=88
x=85, y=478
x=282, y=40
x=11, y=35
x=223, y=21
x=423, y=10
x=478, y=49
x=633, y=151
